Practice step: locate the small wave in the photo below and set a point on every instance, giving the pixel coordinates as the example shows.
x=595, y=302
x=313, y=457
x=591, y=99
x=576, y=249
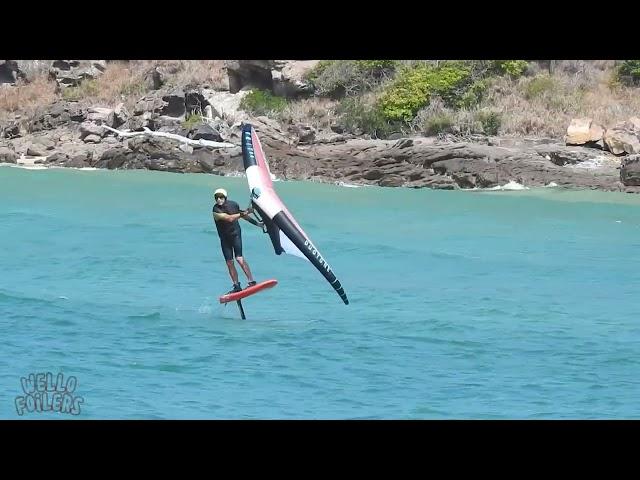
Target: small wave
x=147, y=316
x=205, y=310
x=551, y=185
x=235, y=174
x=592, y=163
x=24, y=167
x=347, y=185
x=453, y=256
x=25, y=299
x=510, y=186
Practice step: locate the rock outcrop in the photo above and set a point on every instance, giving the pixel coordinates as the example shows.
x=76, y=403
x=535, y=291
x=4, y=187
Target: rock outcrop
x=59, y=114
x=72, y=134
x=584, y=131
x=7, y=155
x=624, y=138
x=284, y=77
x=10, y=72
x=69, y=73
x=630, y=170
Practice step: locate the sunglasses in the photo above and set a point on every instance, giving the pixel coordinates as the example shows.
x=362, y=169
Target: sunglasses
x=218, y=196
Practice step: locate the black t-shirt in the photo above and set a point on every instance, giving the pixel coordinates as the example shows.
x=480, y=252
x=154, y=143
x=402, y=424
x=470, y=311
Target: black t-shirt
x=227, y=229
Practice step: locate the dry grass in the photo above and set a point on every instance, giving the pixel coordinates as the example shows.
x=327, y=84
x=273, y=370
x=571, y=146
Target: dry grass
x=197, y=72
x=120, y=82
x=125, y=81
x=315, y=111
x=545, y=105
x=25, y=98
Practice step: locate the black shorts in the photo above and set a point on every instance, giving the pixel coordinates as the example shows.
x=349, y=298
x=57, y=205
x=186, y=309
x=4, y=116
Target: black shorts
x=231, y=246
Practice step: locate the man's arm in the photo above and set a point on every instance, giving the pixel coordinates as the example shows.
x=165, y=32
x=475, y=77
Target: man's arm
x=225, y=217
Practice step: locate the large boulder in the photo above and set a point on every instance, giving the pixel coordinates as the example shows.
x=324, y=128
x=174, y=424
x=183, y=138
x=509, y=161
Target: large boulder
x=89, y=128
x=92, y=139
x=80, y=161
x=156, y=147
x=204, y=131
x=69, y=73
x=101, y=116
x=118, y=116
x=584, y=131
x=58, y=114
x=624, y=138
x=10, y=71
x=58, y=158
x=140, y=122
x=39, y=147
x=290, y=81
x=630, y=171
x=249, y=73
x=35, y=151
x=7, y=155
x=195, y=102
x=12, y=130
x=154, y=78
x=283, y=77
x=170, y=103
x=634, y=123
x=120, y=158
x=226, y=105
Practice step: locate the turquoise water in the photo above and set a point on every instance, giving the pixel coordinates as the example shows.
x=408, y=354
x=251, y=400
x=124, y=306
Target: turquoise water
x=463, y=304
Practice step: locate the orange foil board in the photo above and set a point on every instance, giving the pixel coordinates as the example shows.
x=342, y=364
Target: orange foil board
x=246, y=292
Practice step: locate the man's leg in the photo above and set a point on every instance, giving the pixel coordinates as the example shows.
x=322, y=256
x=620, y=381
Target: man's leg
x=227, y=251
x=232, y=271
x=237, y=248
x=245, y=268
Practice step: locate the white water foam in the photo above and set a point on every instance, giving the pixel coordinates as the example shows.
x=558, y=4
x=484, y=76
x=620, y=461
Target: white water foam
x=24, y=167
x=235, y=174
x=347, y=185
x=510, y=186
x=595, y=163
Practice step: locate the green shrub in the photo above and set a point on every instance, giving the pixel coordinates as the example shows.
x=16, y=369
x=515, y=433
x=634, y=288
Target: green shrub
x=354, y=114
x=629, y=72
x=472, y=96
x=439, y=123
x=538, y=86
x=192, y=121
x=514, y=68
x=339, y=78
x=490, y=121
x=414, y=86
x=316, y=71
x=375, y=67
x=86, y=88
x=133, y=88
x=262, y=102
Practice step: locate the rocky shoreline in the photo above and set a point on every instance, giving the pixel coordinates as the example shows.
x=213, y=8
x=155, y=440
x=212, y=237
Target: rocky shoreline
x=415, y=162
x=72, y=134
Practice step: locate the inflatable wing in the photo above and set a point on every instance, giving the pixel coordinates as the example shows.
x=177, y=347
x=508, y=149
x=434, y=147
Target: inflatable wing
x=285, y=233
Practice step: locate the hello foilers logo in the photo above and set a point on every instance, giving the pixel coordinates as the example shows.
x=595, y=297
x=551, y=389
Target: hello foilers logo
x=45, y=393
